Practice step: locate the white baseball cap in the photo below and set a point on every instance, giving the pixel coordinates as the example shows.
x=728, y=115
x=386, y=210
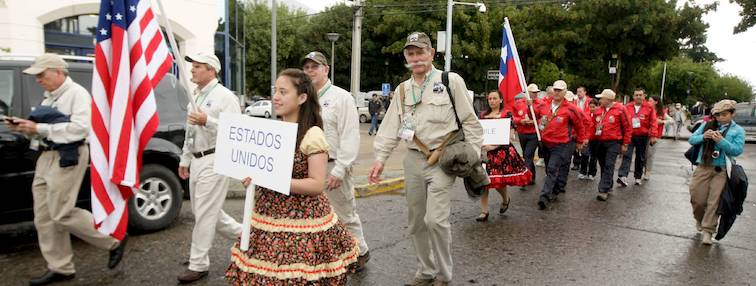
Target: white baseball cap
x=44, y=62
x=607, y=93
x=205, y=58
x=533, y=88
x=560, y=84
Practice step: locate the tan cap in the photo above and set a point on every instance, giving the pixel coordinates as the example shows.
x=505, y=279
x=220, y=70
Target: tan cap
x=533, y=88
x=607, y=93
x=722, y=105
x=205, y=58
x=46, y=61
x=570, y=96
x=418, y=39
x=317, y=57
x=560, y=84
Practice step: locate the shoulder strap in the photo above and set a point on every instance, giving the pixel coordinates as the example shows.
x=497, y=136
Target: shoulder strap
x=445, y=81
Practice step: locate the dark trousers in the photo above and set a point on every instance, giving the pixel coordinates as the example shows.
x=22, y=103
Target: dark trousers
x=606, y=153
x=593, y=160
x=564, y=171
x=637, y=144
x=529, y=144
x=582, y=157
x=556, y=158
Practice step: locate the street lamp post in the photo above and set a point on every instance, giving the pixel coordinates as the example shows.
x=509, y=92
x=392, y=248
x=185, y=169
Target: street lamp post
x=333, y=37
x=690, y=75
x=449, y=5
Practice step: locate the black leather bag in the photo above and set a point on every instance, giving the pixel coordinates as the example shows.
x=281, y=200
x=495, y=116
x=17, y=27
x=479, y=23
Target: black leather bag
x=692, y=153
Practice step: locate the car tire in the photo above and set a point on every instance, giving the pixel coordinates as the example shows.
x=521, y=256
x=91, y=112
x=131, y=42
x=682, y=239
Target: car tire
x=363, y=118
x=157, y=202
x=267, y=114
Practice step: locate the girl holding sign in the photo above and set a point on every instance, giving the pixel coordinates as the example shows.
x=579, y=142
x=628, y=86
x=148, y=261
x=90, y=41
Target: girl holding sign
x=505, y=166
x=296, y=239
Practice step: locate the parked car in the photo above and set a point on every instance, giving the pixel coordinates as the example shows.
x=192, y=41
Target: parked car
x=365, y=114
x=159, y=179
x=262, y=108
x=745, y=116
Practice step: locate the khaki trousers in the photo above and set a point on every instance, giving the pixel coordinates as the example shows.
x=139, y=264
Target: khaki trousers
x=207, y=193
x=344, y=205
x=56, y=216
x=427, y=190
x=705, y=188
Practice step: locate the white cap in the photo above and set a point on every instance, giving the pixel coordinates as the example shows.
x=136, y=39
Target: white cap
x=607, y=93
x=205, y=58
x=560, y=84
x=44, y=62
x=533, y=88
x=570, y=96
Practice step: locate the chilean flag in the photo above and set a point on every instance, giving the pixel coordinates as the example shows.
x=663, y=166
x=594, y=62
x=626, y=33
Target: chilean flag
x=511, y=78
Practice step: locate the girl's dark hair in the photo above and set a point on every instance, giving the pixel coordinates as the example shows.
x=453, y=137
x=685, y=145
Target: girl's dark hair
x=488, y=110
x=659, y=106
x=309, y=111
x=707, y=148
x=595, y=101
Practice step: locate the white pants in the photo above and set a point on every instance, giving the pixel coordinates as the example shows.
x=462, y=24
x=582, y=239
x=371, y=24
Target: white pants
x=344, y=205
x=208, y=192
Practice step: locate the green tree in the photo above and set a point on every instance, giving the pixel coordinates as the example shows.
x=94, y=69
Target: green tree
x=748, y=14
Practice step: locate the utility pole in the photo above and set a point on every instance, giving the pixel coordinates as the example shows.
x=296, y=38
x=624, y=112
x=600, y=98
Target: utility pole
x=356, y=48
x=273, y=51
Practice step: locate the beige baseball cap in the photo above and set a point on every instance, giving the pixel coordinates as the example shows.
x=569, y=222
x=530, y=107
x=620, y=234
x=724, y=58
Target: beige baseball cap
x=317, y=57
x=205, y=58
x=418, y=39
x=44, y=62
x=533, y=88
x=570, y=96
x=607, y=93
x=560, y=84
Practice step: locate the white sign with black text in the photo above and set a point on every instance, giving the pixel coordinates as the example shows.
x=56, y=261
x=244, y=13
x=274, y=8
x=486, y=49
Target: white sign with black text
x=496, y=131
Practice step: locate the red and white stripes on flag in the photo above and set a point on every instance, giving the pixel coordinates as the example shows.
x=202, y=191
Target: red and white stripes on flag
x=131, y=58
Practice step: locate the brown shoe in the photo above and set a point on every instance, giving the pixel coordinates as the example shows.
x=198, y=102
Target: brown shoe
x=361, y=260
x=420, y=282
x=440, y=283
x=189, y=276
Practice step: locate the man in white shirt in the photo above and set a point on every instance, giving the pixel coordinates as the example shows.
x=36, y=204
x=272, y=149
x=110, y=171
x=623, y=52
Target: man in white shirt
x=207, y=188
x=342, y=131
x=56, y=187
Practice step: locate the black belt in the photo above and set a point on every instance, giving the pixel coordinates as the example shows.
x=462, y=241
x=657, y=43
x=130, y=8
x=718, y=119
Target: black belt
x=331, y=159
x=204, y=153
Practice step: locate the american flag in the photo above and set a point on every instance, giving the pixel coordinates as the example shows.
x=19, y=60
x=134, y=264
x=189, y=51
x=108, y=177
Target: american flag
x=511, y=78
x=131, y=58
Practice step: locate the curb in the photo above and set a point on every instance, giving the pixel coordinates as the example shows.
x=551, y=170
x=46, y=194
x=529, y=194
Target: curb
x=385, y=186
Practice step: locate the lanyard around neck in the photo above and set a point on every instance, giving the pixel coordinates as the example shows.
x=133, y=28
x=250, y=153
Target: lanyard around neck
x=324, y=90
x=204, y=95
x=425, y=85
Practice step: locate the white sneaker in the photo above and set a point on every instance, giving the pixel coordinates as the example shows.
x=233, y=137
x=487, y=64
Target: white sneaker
x=707, y=238
x=581, y=177
x=540, y=163
x=638, y=182
x=622, y=181
x=590, y=178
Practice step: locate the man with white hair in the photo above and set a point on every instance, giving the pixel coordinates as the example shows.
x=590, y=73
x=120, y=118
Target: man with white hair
x=612, y=132
x=58, y=175
x=206, y=188
x=425, y=114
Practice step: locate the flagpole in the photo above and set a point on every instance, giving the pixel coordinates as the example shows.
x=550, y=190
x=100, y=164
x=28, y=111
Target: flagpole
x=664, y=77
x=183, y=74
x=520, y=74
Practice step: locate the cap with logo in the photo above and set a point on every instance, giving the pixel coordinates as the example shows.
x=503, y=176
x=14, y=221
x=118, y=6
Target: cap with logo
x=560, y=85
x=317, y=57
x=44, y=62
x=205, y=58
x=607, y=93
x=418, y=39
x=570, y=96
x=533, y=88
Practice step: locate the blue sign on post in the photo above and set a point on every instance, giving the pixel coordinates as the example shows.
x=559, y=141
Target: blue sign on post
x=386, y=88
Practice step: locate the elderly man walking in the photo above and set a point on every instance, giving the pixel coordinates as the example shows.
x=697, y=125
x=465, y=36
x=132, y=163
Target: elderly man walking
x=424, y=115
x=59, y=172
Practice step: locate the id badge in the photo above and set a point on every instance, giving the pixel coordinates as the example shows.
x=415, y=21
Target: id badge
x=407, y=131
x=598, y=130
x=190, y=133
x=34, y=144
x=636, y=122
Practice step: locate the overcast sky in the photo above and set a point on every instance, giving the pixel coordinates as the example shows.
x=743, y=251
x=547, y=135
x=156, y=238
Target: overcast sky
x=734, y=49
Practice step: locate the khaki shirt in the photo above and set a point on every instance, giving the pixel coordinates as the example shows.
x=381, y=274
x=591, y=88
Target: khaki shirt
x=341, y=127
x=212, y=99
x=433, y=115
x=70, y=99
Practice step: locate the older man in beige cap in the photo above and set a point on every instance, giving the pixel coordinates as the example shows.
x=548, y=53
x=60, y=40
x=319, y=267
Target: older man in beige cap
x=56, y=184
x=342, y=130
x=207, y=189
x=612, y=131
x=424, y=115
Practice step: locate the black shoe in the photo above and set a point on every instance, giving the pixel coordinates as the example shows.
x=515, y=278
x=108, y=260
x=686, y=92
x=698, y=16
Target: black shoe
x=189, y=276
x=504, y=206
x=542, y=204
x=482, y=217
x=117, y=253
x=50, y=277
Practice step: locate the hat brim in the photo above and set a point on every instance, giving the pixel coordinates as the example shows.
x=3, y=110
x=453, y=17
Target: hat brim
x=191, y=60
x=419, y=45
x=34, y=70
x=304, y=61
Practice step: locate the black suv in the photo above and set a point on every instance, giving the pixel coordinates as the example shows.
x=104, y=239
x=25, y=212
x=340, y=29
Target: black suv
x=158, y=201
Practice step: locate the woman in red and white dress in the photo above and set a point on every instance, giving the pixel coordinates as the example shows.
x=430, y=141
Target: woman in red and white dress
x=504, y=165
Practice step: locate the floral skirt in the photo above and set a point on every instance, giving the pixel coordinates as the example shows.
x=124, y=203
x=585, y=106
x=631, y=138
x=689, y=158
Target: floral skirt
x=506, y=168
x=294, y=251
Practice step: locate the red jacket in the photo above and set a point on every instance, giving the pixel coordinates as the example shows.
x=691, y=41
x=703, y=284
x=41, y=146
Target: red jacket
x=660, y=126
x=646, y=115
x=615, y=124
x=586, y=104
x=522, y=112
x=557, y=126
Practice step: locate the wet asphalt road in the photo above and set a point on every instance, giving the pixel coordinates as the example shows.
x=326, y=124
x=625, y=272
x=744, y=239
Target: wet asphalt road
x=641, y=236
